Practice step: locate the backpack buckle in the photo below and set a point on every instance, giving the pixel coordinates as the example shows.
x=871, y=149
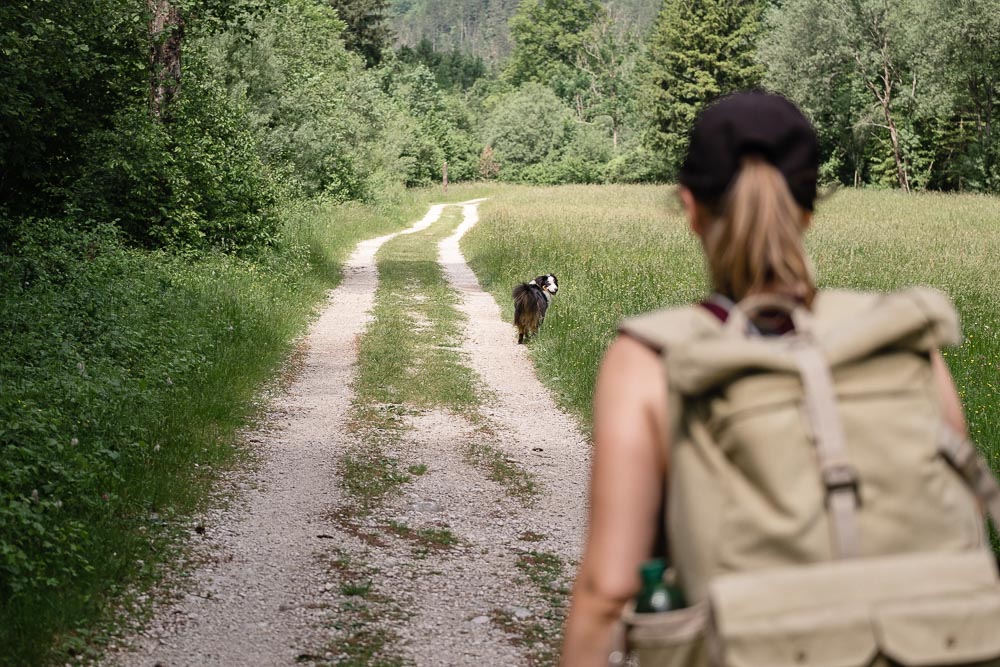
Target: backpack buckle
x=840, y=476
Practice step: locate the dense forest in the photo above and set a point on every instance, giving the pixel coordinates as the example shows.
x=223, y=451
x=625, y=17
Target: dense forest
x=153, y=150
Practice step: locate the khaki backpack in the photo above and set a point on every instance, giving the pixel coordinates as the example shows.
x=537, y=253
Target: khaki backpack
x=819, y=511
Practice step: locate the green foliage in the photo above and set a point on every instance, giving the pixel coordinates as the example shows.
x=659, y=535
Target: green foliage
x=636, y=16
x=65, y=66
x=526, y=127
x=475, y=27
x=635, y=164
x=534, y=137
x=957, y=62
x=582, y=159
x=809, y=59
x=480, y=27
x=452, y=69
x=548, y=38
x=608, y=58
x=927, y=68
x=80, y=138
x=330, y=126
x=368, y=33
x=316, y=114
x=192, y=184
x=417, y=91
x=699, y=50
x=436, y=127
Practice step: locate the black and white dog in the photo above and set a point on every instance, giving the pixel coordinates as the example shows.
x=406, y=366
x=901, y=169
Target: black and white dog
x=531, y=300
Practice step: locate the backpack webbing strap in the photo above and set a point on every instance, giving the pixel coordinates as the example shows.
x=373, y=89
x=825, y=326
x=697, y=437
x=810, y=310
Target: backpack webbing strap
x=970, y=464
x=839, y=476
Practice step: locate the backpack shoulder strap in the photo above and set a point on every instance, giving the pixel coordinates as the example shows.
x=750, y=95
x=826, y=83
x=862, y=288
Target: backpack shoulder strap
x=839, y=476
x=962, y=455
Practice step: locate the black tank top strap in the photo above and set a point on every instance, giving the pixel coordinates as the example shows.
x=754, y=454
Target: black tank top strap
x=768, y=323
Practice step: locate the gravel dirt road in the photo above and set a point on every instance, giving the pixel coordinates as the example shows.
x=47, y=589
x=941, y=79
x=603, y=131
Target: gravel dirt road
x=266, y=582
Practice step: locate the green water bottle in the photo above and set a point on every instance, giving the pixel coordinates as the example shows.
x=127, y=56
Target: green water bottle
x=660, y=591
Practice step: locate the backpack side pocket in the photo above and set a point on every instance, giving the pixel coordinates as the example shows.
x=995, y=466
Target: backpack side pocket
x=667, y=639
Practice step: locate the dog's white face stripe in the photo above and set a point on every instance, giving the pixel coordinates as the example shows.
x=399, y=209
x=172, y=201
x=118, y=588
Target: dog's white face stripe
x=550, y=285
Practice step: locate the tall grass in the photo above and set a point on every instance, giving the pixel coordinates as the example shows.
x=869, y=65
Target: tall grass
x=125, y=377
x=617, y=250
x=620, y=250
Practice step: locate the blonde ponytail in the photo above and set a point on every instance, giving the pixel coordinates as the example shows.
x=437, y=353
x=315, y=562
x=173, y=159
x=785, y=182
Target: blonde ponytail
x=754, y=244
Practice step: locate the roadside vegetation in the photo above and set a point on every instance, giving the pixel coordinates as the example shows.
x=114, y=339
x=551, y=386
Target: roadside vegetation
x=124, y=381
x=621, y=250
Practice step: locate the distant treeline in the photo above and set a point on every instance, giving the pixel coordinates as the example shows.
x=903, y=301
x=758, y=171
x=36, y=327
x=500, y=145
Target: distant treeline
x=480, y=27
x=903, y=93
x=185, y=122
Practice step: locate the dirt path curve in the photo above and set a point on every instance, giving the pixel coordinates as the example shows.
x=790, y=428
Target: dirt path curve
x=260, y=593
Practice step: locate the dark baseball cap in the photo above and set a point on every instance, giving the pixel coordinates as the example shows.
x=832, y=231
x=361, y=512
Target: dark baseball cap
x=751, y=123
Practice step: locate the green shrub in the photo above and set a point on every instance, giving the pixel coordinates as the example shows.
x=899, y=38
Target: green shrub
x=582, y=159
x=634, y=164
x=195, y=182
x=526, y=127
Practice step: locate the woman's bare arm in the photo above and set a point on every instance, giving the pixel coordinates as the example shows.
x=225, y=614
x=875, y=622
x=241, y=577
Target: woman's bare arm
x=627, y=473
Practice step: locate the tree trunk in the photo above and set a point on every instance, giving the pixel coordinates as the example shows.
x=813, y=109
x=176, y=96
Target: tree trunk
x=166, y=31
x=904, y=181
x=881, y=82
x=884, y=97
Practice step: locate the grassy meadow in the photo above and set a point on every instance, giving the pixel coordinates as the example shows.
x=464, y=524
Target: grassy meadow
x=620, y=250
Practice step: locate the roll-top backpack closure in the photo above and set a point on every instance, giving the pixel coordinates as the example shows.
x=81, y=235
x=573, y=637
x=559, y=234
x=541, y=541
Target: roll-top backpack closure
x=846, y=326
